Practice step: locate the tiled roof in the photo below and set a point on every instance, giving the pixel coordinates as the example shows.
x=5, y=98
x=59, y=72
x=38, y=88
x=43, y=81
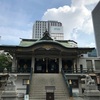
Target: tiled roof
x=27, y=43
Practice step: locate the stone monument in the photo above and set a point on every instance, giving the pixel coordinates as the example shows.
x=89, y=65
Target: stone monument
x=10, y=92
x=91, y=91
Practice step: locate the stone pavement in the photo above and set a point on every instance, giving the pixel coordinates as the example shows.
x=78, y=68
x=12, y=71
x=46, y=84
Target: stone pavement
x=38, y=89
x=77, y=98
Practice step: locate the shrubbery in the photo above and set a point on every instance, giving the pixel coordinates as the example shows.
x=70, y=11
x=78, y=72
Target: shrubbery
x=5, y=61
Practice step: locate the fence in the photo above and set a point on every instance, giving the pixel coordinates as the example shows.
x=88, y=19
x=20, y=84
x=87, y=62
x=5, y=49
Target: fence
x=78, y=70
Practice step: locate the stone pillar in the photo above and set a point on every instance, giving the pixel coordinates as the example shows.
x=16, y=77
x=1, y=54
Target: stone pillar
x=93, y=61
x=33, y=62
x=76, y=65
x=74, y=68
x=60, y=64
x=14, y=66
x=80, y=86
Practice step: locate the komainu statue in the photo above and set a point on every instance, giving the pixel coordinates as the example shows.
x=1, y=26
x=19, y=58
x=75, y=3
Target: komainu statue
x=11, y=79
x=90, y=83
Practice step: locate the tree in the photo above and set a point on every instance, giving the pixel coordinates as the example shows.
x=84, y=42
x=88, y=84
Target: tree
x=5, y=61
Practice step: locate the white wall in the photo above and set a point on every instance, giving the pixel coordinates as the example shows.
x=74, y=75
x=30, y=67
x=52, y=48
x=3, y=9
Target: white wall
x=82, y=61
x=21, y=88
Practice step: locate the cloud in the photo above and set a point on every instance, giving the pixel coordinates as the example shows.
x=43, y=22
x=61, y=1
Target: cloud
x=12, y=35
x=90, y=45
x=14, y=22
x=87, y=26
x=84, y=2
x=75, y=18
x=71, y=17
x=75, y=35
x=16, y=18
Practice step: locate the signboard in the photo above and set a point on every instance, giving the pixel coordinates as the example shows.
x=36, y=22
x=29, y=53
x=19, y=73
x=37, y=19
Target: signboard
x=56, y=29
x=26, y=97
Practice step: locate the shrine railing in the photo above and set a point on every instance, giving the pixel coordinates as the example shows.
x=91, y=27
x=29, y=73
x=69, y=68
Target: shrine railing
x=9, y=70
x=78, y=70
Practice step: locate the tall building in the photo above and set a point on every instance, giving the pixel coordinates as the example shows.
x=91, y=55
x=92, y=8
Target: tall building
x=96, y=24
x=55, y=29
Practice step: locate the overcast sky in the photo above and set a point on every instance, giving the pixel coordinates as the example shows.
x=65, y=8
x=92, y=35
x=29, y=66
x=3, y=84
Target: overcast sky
x=18, y=16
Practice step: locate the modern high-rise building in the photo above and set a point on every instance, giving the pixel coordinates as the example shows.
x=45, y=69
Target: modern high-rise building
x=55, y=29
x=96, y=24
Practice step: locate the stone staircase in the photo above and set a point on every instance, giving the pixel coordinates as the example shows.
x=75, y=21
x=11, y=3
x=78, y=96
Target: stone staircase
x=39, y=81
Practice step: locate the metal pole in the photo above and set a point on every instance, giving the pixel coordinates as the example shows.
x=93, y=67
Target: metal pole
x=70, y=88
x=27, y=87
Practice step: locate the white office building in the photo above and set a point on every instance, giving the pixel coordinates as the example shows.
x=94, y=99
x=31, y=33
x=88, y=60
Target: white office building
x=55, y=29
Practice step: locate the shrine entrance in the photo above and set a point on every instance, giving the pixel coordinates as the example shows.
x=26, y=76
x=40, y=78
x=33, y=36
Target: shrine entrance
x=24, y=65
x=46, y=65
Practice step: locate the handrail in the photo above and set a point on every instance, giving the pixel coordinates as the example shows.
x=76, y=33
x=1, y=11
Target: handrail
x=67, y=83
x=28, y=86
x=30, y=77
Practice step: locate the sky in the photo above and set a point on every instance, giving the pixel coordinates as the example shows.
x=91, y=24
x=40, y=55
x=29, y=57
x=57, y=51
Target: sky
x=18, y=16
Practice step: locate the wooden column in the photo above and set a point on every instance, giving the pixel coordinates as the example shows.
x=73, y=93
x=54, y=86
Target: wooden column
x=33, y=62
x=60, y=64
x=80, y=86
x=14, y=64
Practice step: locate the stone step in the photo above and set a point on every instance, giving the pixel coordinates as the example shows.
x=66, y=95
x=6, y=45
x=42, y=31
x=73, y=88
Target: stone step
x=45, y=92
x=44, y=97
x=55, y=99
x=39, y=81
x=38, y=93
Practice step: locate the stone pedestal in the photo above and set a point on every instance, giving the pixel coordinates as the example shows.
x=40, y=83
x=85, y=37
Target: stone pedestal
x=10, y=92
x=91, y=92
x=92, y=95
x=9, y=95
x=92, y=98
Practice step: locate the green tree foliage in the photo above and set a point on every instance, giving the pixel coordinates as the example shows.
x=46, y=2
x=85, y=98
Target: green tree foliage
x=5, y=61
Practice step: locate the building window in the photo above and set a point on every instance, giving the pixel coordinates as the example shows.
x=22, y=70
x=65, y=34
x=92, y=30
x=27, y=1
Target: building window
x=97, y=64
x=89, y=65
x=81, y=68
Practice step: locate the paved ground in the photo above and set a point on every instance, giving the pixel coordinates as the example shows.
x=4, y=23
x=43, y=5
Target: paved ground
x=76, y=95
x=77, y=98
x=72, y=98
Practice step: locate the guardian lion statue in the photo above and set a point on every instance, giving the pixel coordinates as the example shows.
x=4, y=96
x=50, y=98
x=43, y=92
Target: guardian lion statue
x=89, y=80
x=11, y=79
